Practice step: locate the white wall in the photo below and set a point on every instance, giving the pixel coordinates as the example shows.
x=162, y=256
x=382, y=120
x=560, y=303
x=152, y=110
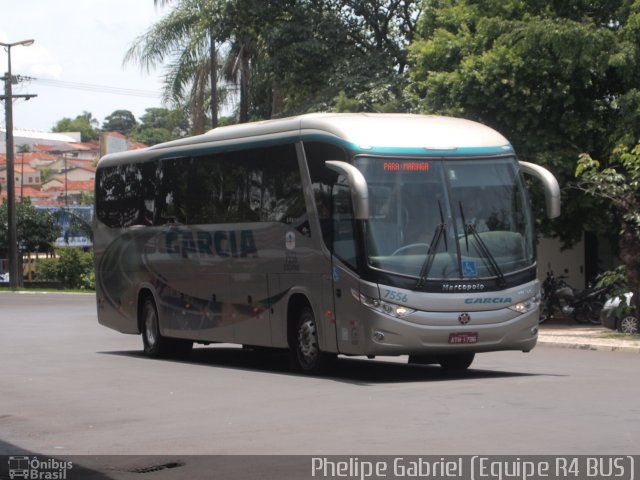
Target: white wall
x=549, y=253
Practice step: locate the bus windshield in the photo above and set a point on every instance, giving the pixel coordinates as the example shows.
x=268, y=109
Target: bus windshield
x=447, y=219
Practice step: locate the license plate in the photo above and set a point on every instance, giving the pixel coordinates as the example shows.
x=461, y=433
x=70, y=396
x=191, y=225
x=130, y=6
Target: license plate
x=463, y=337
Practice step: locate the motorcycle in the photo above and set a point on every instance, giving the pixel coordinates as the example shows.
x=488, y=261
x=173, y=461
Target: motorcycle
x=559, y=297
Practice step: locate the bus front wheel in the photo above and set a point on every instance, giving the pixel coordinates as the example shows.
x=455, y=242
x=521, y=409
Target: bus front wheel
x=306, y=353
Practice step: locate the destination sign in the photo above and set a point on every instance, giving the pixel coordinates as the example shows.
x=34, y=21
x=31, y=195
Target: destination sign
x=405, y=166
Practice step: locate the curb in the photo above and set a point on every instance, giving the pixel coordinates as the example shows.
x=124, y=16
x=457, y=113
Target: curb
x=589, y=346
x=582, y=337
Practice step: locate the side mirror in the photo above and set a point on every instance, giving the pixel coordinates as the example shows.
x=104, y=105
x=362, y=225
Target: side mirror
x=550, y=184
x=357, y=184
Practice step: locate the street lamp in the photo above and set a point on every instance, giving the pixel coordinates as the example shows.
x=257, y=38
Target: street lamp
x=14, y=280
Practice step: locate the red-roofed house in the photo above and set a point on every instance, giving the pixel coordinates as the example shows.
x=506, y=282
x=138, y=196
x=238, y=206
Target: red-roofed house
x=27, y=176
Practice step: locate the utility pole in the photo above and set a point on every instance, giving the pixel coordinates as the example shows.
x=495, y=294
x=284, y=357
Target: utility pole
x=15, y=275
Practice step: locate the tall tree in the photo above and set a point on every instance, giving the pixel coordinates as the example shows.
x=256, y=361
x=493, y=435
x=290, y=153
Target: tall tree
x=320, y=53
x=187, y=37
x=243, y=17
x=285, y=57
x=83, y=123
x=557, y=78
x=121, y=121
x=36, y=229
x=160, y=125
x=619, y=184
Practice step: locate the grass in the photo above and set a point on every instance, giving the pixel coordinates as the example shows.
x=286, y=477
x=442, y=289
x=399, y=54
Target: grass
x=619, y=336
x=46, y=290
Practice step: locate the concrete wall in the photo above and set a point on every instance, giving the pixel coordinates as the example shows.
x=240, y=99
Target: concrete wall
x=550, y=254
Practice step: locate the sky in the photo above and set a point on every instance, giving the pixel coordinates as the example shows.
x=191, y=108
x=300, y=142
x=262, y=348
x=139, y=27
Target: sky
x=76, y=59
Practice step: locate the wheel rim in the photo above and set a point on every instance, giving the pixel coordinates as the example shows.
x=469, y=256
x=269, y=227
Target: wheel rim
x=308, y=341
x=150, y=326
x=629, y=324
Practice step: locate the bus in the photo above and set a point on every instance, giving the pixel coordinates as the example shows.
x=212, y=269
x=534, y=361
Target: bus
x=325, y=234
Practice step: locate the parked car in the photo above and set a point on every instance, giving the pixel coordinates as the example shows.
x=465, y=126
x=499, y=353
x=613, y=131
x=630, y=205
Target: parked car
x=613, y=317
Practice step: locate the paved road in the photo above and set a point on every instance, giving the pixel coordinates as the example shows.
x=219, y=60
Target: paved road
x=71, y=387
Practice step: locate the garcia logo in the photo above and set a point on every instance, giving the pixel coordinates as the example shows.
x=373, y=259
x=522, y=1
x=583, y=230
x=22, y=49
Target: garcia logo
x=489, y=300
x=201, y=244
x=36, y=469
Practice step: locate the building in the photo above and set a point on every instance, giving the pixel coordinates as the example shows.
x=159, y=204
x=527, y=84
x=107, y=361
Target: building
x=57, y=169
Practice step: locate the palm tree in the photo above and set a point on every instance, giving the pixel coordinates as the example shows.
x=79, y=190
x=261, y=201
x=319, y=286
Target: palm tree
x=189, y=36
x=88, y=116
x=237, y=69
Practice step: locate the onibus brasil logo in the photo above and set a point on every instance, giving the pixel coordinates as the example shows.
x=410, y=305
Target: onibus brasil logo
x=33, y=468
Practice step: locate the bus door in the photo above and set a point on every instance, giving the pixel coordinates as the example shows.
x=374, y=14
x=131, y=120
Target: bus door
x=346, y=290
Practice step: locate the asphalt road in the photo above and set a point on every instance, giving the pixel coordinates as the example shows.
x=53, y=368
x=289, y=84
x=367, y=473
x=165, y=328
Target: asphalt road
x=69, y=386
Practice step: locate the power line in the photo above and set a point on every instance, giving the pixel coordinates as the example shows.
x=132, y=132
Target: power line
x=93, y=88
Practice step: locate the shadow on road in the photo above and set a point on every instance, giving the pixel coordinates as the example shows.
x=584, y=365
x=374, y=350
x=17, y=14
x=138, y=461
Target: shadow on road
x=357, y=371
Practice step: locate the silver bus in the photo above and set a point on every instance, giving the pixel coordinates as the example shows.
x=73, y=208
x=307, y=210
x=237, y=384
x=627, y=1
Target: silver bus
x=324, y=234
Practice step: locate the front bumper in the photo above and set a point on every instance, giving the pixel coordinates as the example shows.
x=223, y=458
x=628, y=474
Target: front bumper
x=385, y=335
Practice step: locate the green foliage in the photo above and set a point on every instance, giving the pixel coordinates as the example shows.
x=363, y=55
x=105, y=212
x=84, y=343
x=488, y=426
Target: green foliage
x=186, y=39
x=556, y=78
x=121, y=121
x=281, y=57
x=159, y=125
x=345, y=105
x=84, y=123
x=35, y=229
x=619, y=184
x=616, y=280
x=72, y=267
x=341, y=55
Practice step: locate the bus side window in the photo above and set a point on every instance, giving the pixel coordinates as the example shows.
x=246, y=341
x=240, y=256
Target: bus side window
x=344, y=244
x=125, y=195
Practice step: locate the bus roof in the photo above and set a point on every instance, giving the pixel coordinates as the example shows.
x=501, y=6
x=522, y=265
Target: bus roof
x=366, y=132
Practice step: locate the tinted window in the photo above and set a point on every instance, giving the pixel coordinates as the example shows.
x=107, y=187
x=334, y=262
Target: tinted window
x=125, y=194
x=257, y=185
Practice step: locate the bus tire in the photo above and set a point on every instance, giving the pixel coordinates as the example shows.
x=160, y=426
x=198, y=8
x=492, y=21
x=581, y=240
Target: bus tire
x=456, y=362
x=155, y=345
x=306, y=354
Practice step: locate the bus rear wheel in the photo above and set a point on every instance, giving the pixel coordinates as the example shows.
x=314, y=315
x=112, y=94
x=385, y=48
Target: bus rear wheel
x=155, y=345
x=306, y=354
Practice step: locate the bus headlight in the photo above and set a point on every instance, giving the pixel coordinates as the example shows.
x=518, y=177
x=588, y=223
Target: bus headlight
x=387, y=308
x=526, y=305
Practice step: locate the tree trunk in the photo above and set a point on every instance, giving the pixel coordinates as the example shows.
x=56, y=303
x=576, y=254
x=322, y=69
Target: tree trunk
x=213, y=73
x=197, y=106
x=245, y=75
x=277, y=101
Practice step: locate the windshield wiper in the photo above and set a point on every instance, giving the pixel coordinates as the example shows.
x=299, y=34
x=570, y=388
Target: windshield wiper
x=469, y=228
x=440, y=232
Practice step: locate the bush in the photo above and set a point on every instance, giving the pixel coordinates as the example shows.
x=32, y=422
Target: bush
x=73, y=268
